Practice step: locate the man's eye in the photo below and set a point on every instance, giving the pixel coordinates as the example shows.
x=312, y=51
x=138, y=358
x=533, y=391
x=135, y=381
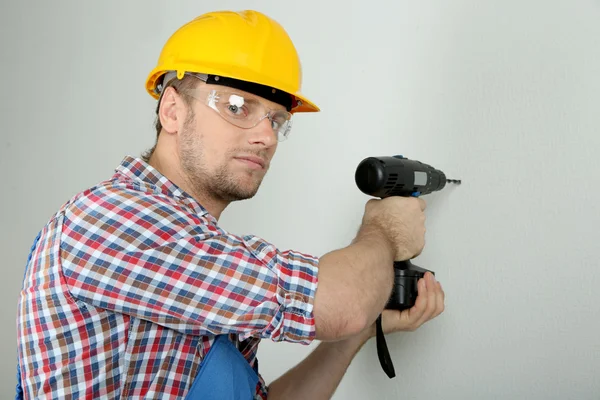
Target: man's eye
x=234, y=109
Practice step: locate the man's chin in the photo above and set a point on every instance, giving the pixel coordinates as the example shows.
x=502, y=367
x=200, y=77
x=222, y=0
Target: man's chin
x=242, y=193
x=239, y=196
x=250, y=193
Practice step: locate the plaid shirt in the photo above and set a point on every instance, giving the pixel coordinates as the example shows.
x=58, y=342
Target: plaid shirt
x=130, y=281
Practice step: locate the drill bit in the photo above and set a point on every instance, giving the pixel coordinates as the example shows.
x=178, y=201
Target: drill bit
x=457, y=181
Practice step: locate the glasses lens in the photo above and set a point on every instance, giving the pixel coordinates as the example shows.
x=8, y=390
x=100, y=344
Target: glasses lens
x=244, y=110
x=237, y=108
x=281, y=122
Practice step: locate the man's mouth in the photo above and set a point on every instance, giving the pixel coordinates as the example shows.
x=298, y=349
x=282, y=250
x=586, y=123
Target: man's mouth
x=252, y=161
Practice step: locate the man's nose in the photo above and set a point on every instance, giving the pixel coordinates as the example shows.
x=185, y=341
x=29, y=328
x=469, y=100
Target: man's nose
x=263, y=133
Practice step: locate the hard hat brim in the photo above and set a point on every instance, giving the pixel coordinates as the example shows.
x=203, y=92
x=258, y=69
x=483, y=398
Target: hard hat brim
x=305, y=105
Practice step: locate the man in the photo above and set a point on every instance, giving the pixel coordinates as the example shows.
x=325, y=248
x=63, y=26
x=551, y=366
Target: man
x=133, y=290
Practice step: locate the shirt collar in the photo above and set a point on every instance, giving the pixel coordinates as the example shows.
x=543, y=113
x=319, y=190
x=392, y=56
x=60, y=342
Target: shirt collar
x=137, y=169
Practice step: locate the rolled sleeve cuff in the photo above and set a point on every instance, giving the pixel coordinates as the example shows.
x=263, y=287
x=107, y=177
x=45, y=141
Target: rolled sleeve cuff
x=296, y=288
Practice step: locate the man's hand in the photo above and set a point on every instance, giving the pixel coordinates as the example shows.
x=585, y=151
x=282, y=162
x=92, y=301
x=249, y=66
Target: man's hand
x=324, y=368
x=428, y=305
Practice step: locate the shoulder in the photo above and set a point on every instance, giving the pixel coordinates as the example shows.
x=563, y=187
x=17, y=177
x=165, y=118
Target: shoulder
x=131, y=214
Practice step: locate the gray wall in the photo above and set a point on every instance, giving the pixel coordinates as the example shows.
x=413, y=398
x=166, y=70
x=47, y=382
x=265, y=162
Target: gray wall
x=502, y=94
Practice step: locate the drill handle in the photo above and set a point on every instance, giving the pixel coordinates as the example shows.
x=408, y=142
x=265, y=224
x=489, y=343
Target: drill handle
x=403, y=297
x=406, y=277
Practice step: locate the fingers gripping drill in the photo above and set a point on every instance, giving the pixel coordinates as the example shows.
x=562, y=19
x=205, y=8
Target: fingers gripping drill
x=398, y=176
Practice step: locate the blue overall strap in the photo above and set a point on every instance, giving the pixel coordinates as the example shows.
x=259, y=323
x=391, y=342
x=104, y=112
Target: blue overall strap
x=224, y=374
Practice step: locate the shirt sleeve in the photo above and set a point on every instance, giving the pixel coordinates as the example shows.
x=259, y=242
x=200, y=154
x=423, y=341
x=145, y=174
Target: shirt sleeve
x=149, y=256
x=262, y=390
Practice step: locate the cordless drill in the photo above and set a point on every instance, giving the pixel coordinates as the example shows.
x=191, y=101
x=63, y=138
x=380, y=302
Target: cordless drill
x=398, y=176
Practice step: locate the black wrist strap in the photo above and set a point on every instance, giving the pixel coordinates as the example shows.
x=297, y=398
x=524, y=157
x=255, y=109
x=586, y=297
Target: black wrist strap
x=382, y=351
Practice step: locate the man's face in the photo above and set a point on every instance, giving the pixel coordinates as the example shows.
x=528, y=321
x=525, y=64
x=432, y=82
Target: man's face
x=221, y=159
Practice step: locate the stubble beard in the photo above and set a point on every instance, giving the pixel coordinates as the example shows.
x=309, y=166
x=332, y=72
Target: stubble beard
x=221, y=184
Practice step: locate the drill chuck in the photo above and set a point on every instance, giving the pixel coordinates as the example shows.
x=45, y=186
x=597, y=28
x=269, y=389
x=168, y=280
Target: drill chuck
x=397, y=176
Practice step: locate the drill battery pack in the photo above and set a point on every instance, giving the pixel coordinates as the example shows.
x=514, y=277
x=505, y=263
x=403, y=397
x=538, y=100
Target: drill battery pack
x=406, y=277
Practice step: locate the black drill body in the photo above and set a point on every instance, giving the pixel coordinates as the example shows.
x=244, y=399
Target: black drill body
x=398, y=176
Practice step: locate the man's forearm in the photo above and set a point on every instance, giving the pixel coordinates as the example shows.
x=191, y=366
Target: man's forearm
x=354, y=284
x=318, y=375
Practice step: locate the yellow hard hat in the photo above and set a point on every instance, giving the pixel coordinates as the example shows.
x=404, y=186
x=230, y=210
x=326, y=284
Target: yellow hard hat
x=246, y=47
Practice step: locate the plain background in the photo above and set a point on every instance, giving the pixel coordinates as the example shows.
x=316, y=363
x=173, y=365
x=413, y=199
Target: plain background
x=504, y=95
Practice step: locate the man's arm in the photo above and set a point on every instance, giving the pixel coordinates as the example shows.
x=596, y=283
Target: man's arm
x=132, y=251
x=319, y=374
x=355, y=282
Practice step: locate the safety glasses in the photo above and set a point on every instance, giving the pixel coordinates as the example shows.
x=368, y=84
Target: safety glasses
x=242, y=109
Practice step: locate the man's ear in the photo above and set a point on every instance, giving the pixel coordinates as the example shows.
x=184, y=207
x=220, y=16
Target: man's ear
x=167, y=111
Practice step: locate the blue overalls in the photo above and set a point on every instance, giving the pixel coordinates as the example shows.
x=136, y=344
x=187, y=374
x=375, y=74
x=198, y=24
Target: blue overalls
x=224, y=373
